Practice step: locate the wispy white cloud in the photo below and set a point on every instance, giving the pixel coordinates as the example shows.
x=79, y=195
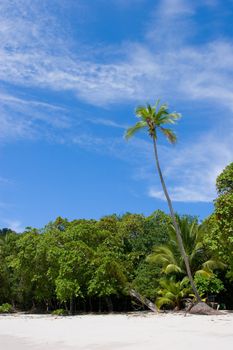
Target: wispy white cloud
x=136, y=152
x=181, y=194
x=191, y=170
x=5, y=98
x=36, y=57
x=107, y=122
x=173, y=8
x=25, y=118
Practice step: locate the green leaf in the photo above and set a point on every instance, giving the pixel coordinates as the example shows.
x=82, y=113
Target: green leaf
x=137, y=127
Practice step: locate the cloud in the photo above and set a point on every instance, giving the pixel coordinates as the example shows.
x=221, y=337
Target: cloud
x=181, y=194
x=34, y=54
x=191, y=171
x=23, y=118
x=173, y=8
x=170, y=9
x=136, y=152
x=199, y=73
x=107, y=122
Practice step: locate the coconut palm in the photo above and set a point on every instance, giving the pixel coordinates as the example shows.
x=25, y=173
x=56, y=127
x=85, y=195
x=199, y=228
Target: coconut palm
x=167, y=255
x=154, y=119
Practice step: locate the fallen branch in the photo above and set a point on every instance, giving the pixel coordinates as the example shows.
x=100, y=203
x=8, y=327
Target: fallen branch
x=143, y=300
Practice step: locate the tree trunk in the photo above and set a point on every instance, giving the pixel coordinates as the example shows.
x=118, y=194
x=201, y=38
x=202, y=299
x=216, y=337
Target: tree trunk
x=47, y=305
x=177, y=229
x=109, y=304
x=90, y=304
x=143, y=300
x=71, y=312
x=100, y=305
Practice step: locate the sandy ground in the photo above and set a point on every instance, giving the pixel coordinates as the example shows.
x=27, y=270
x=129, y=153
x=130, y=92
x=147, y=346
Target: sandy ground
x=120, y=331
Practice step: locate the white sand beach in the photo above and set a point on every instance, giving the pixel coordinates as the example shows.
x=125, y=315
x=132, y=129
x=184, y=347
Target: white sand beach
x=120, y=331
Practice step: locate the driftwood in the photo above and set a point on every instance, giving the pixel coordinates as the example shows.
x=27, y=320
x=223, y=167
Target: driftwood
x=143, y=300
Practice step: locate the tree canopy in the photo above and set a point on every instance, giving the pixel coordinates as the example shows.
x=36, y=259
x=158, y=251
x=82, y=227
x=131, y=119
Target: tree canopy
x=91, y=265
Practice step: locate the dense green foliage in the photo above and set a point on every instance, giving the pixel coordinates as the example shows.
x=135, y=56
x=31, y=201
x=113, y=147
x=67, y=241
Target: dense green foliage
x=83, y=265
x=224, y=217
x=60, y=312
x=172, y=293
x=5, y=308
x=91, y=265
x=209, y=284
x=219, y=229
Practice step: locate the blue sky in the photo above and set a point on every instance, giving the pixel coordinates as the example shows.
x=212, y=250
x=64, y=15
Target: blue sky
x=71, y=74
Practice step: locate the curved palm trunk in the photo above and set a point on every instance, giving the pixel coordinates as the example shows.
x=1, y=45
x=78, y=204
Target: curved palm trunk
x=177, y=229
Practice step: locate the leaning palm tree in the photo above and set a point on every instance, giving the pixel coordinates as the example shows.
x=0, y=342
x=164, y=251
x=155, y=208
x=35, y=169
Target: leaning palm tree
x=154, y=118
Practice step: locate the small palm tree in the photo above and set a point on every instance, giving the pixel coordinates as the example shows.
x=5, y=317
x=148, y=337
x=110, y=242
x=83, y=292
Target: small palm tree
x=172, y=292
x=167, y=255
x=153, y=119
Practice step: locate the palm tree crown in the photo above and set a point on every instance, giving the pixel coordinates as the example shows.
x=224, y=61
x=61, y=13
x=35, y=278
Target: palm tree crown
x=154, y=118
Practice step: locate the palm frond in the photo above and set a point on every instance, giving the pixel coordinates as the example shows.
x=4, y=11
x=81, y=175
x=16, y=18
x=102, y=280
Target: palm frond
x=196, y=252
x=159, y=259
x=162, y=254
x=167, y=256
x=163, y=111
x=156, y=105
x=174, y=116
x=172, y=268
x=142, y=112
x=204, y=273
x=167, y=118
x=172, y=292
x=161, y=301
x=185, y=282
x=137, y=127
x=170, y=135
x=212, y=264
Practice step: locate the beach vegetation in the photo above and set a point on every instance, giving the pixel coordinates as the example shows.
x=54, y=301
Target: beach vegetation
x=60, y=312
x=88, y=265
x=6, y=308
x=172, y=293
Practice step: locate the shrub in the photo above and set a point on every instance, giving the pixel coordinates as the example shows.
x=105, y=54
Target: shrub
x=208, y=285
x=60, y=312
x=5, y=308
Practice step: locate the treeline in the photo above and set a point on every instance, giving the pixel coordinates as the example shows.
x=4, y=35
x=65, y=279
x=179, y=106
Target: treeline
x=91, y=265
x=83, y=265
